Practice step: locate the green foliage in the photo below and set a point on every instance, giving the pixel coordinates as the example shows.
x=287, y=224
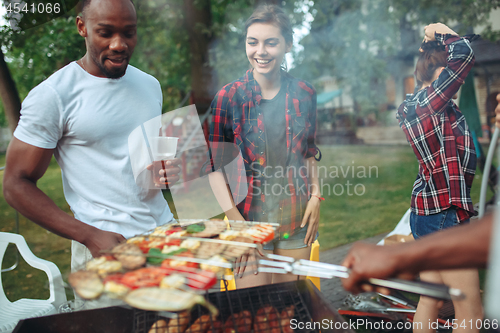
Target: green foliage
x=357, y=41
x=162, y=50
x=29, y=13
x=351, y=40
x=34, y=54
x=463, y=14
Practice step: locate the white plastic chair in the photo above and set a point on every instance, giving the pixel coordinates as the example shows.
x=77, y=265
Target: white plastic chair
x=12, y=312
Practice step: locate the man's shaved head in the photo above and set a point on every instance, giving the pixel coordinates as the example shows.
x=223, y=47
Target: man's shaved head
x=110, y=31
x=85, y=4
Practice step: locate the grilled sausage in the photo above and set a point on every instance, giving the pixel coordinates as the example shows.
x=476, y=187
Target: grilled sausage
x=200, y=325
x=179, y=324
x=267, y=320
x=286, y=316
x=217, y=326
x=244, y=322
x=230, y=323
x=159, y=327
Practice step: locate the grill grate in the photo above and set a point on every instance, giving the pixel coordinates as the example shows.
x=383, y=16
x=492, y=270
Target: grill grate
x=143, y=320
x=261, y=306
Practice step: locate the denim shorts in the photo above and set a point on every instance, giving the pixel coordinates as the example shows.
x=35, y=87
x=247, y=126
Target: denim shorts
x=296, y=241
x=422, y=225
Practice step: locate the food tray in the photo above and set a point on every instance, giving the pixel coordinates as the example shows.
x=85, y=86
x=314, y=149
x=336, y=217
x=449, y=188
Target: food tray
x=170, y=257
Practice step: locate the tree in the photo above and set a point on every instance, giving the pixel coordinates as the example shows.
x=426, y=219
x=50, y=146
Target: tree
x=187, y=45
x=357, y=41
x=9, y=95
x=25, y=23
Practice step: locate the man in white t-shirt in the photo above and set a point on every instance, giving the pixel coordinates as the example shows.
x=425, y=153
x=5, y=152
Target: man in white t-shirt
x=83, y=115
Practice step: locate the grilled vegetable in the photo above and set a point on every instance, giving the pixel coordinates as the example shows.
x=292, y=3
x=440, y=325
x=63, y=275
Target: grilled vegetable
x=104, y=265
x=157, y=299
x=144, y=277
x=130, y=255
x=87, y=284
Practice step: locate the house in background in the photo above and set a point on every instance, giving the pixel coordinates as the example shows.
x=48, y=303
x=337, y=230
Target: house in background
x=337, y=122
x=486, y=82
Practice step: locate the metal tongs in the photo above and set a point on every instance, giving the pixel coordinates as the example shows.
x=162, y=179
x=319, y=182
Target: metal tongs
x=283, y=265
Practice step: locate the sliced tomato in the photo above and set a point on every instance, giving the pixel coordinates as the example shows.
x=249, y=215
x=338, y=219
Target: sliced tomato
x=268, y=237
x=144, y=277
x=176, y=242
x=173, y=230
x=117, y=277
x=144, y=246
x=167, y=264
x=266, y=234
x=196, y=278
x=203, y=280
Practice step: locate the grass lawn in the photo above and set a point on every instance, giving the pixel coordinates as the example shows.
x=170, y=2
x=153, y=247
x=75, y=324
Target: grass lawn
x=369, y=202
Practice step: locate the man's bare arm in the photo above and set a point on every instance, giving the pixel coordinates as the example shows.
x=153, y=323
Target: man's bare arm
x=460, y=247
x=25, y=165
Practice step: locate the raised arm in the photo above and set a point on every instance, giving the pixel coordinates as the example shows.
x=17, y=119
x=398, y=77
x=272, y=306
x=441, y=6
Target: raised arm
x=451, y=78
x=25, y=165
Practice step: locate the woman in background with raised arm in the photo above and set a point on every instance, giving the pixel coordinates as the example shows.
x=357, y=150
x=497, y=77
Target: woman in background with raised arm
x=441, y=140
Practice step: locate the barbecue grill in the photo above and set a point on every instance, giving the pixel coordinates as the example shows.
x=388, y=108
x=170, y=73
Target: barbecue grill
x=310, y=306
x=293, y=306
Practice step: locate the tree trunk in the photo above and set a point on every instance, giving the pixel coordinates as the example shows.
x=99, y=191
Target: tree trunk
x=198, y=23
x=9, y=95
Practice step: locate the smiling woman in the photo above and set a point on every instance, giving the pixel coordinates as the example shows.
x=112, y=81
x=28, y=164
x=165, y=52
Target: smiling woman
x=271, y=117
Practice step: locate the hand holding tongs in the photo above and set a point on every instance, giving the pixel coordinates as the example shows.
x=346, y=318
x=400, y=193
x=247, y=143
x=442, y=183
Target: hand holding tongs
x=281, y=264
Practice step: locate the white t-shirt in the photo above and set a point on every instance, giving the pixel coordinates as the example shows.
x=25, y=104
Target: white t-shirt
x=87, y=120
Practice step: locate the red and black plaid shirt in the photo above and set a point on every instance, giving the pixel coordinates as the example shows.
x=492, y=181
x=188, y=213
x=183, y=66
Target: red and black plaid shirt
x=440, y=137
x=237, y=120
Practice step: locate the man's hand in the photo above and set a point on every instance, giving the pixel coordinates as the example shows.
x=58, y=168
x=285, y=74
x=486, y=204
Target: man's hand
x=431, y=29
x=170, y=175
x=371, y=261
x=311, y=216
x=497, y=111
x=99, y=241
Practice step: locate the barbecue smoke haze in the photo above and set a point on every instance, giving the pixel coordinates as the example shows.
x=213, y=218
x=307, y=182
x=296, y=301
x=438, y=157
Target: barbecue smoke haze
x=193, y=197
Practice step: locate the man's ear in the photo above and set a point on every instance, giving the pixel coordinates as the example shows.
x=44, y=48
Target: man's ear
x=80, y=25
